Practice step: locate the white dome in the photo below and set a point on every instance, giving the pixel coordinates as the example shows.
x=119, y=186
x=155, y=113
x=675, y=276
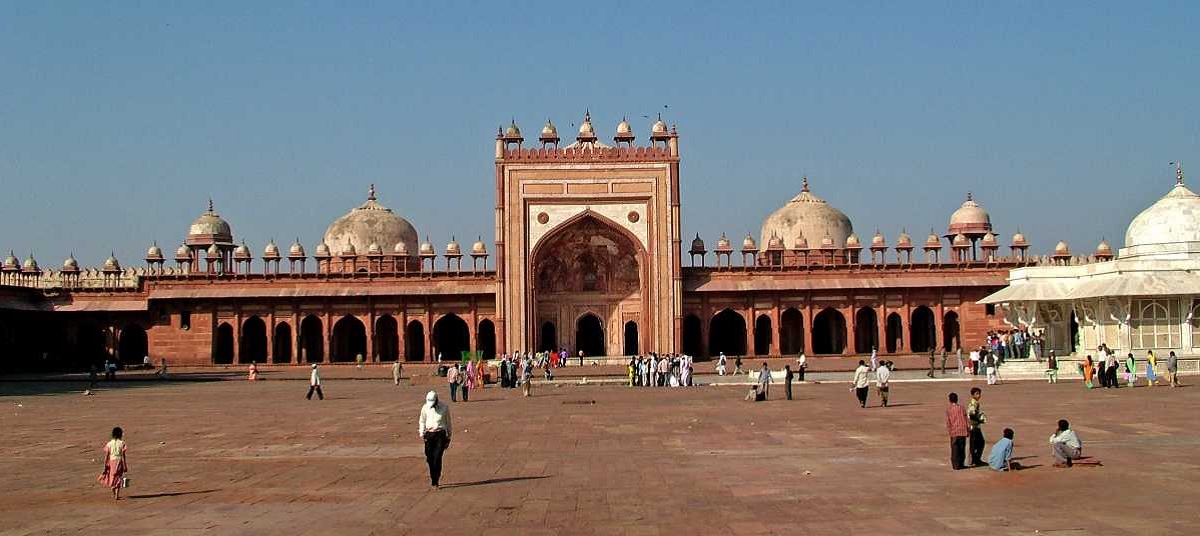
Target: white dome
x=1173, y=219
x=808, y=215
x=368, y=223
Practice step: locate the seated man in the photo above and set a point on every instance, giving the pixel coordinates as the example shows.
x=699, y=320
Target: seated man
x=1000, y=459
x=755, y=394
x=1065, y=445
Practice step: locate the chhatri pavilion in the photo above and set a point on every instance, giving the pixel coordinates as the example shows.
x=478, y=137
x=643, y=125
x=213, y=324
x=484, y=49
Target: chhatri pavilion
x=588, y=254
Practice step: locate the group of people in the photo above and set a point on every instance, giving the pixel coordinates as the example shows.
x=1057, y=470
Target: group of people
x=1018, y=343
x=464, y=378
x=670, y=370
x=965, y=427
x=517, y=369
x=861, y=383
x=1105, y=369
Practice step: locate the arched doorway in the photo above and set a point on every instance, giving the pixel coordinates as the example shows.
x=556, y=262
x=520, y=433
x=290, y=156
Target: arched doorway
x=829, y=332
x=414, y=341
x=312, y=341
x=693, y=338
x=451, y=337
x=950, y=340
x=631, y=338
x=89, y=343
x=727, y=333
x=132, y=347
x=791, y=332
x=589, y=335
x=1074, y=333
x=387, y=338
x=349, y=340
x=921, y=335
x=590, y=260
x=895, y=333
x=253, y=346
x=762, y=335
x=281, y=351
x=866, y=330
x=548, y=341
x=485, y=339
x=223, y=349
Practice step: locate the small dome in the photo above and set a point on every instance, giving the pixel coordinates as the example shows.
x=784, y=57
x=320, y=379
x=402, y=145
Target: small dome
x=209, y=228
x=1061, y=249
x=214, y=251
x=659, y=126
x=154, y=253
x=366, y=223
x=970, y=219
x=183, y=253
x=296, y=250
x=775, y=243
x=453, y=248
x=111, y=264
x=1018, y=240
x=808, y=215
x=479, y=248
x=852, y=241
x=961, y=241
x=323, y=250
x=11, y=262
x=723, y=243
x=932, y=241
x=401, y=249
x=748, y=243
x=426, y=248
x=348, y=250
x=878, y=241
x=271, y=251
x=242, y=251
x=30, y=264
x=512, y=131
x=374, y=249
x=549, y=130
x=904, y=240
x=989, y=241
x=70, y=264
x=827, y=242
x=697, y=244
x=1104, y=249
x=800, y=243
x=624, y=131
x=585, y=128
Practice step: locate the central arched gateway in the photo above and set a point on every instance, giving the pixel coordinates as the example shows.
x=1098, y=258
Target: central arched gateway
x=588, y=273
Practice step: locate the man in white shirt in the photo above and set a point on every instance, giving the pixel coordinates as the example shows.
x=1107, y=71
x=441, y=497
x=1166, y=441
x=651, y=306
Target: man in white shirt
x=314, y=384
x=882, y=375
x=862, y=382
x=435, y=427
x=764, y=380
x=801, y=366
x=1065, y=445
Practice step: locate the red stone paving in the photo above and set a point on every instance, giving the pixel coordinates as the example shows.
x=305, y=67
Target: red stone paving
x=240, y=458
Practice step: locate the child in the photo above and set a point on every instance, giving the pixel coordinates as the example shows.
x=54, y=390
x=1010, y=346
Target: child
x=115, y=465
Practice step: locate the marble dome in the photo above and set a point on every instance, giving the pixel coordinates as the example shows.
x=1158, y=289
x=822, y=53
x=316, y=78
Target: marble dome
x=808, y=215
x=210, y=228
x=367, y=223
x=1173, y=219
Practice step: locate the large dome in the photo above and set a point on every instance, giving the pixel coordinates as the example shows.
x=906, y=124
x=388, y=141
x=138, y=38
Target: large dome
x=970, y=219
x=1173, y=219
x=369, y=223
x=808, y=216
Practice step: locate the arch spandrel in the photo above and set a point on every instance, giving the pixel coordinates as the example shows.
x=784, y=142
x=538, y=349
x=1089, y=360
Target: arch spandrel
x=561, y=216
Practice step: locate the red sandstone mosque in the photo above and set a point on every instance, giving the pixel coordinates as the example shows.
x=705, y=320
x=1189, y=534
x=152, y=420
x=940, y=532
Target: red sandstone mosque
x=587, y=255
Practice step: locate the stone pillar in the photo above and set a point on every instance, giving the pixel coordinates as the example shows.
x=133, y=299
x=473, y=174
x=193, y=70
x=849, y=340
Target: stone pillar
x=271, y=336
x=851, y=331
x=809, y=324
x=237, y=335
x=881, y=325
x=297, y=348
x=776, y=349
x=430, y=352
x=371, y=357
x=473, y=326
x=402, y=333
x=937, y=322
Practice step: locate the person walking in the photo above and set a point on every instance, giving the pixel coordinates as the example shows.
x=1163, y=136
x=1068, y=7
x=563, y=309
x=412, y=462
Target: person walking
x=396, y=372
x=882, y=375
x=976, y=419
x=932, y=354
x=861, y=383
x=1052, y=368
x=801, y=366
x=956, y=426
x=874, y=359
x=1173, y=369
x=1130, y=370
x=1151, y=365
x=737, y=365
x=468, y=379
x=943, y=362
x=527, y=377
x=453, y=377
x=314, y=384
x=722, y=364
x=764, y=380
x=116, y=464
x=958, y=357
x=435, y=427
x=787, y=381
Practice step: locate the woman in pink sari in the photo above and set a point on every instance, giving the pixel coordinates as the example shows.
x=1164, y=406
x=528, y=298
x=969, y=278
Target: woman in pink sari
x=115, y=465
x=469, y=384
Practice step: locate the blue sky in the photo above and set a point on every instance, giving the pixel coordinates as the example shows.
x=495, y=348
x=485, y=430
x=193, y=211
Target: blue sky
x=119, y=120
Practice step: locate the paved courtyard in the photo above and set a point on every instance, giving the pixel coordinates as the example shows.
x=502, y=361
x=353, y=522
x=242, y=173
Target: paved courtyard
x=231, y=457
